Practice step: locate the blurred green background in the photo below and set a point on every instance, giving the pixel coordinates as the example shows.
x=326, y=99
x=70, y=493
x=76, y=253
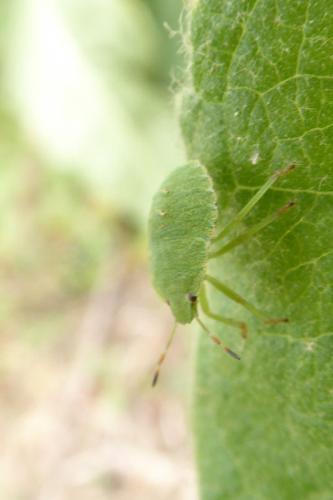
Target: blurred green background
x=88, y=131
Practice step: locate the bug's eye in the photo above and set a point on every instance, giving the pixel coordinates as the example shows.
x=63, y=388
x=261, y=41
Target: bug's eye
x=192, y=298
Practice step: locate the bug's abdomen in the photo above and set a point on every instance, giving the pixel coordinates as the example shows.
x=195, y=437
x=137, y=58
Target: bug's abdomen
x=182, y=218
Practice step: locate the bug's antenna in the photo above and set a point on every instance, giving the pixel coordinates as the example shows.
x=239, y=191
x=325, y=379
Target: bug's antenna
x=217, y=341
x=163, y=356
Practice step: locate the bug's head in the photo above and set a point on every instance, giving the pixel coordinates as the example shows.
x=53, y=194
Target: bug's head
x=192, y=298
x=184, y=307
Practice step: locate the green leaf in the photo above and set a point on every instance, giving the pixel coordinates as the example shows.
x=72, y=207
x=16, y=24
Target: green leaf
x=262, y=98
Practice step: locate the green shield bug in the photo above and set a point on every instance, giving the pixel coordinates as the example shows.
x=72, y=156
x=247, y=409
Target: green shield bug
x=182, y=240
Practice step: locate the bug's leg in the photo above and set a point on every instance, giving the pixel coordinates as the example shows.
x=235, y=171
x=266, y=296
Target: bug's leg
x=251, y=232
x=253, y=201
x=216, y=340
x=163, y=356
x=241, y=325
x=240, y=300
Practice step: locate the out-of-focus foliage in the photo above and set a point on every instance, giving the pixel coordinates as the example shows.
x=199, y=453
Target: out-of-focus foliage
x=85, y=80
x=82, y=136
x=82, y=131
x=87, y=132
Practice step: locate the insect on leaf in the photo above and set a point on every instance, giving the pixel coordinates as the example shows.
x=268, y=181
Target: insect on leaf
x=182, y=219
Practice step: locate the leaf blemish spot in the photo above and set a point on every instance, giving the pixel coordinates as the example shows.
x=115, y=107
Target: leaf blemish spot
x=310, y=346
x=255, y=158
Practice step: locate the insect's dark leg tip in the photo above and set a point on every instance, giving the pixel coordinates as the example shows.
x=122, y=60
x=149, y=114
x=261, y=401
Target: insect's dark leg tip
x=290, y=204
x=290, y=167
x=216, y=340
x=286, y=170
x=281, y=320
x=276, y=321
x=232, y=353
x=155, y=379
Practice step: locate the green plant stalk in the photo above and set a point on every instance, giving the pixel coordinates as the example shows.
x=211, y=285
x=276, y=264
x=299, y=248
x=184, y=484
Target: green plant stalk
x=261, y=98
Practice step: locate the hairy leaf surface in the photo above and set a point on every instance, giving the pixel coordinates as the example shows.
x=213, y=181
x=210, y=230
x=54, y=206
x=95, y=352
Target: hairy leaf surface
x=262, y=98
